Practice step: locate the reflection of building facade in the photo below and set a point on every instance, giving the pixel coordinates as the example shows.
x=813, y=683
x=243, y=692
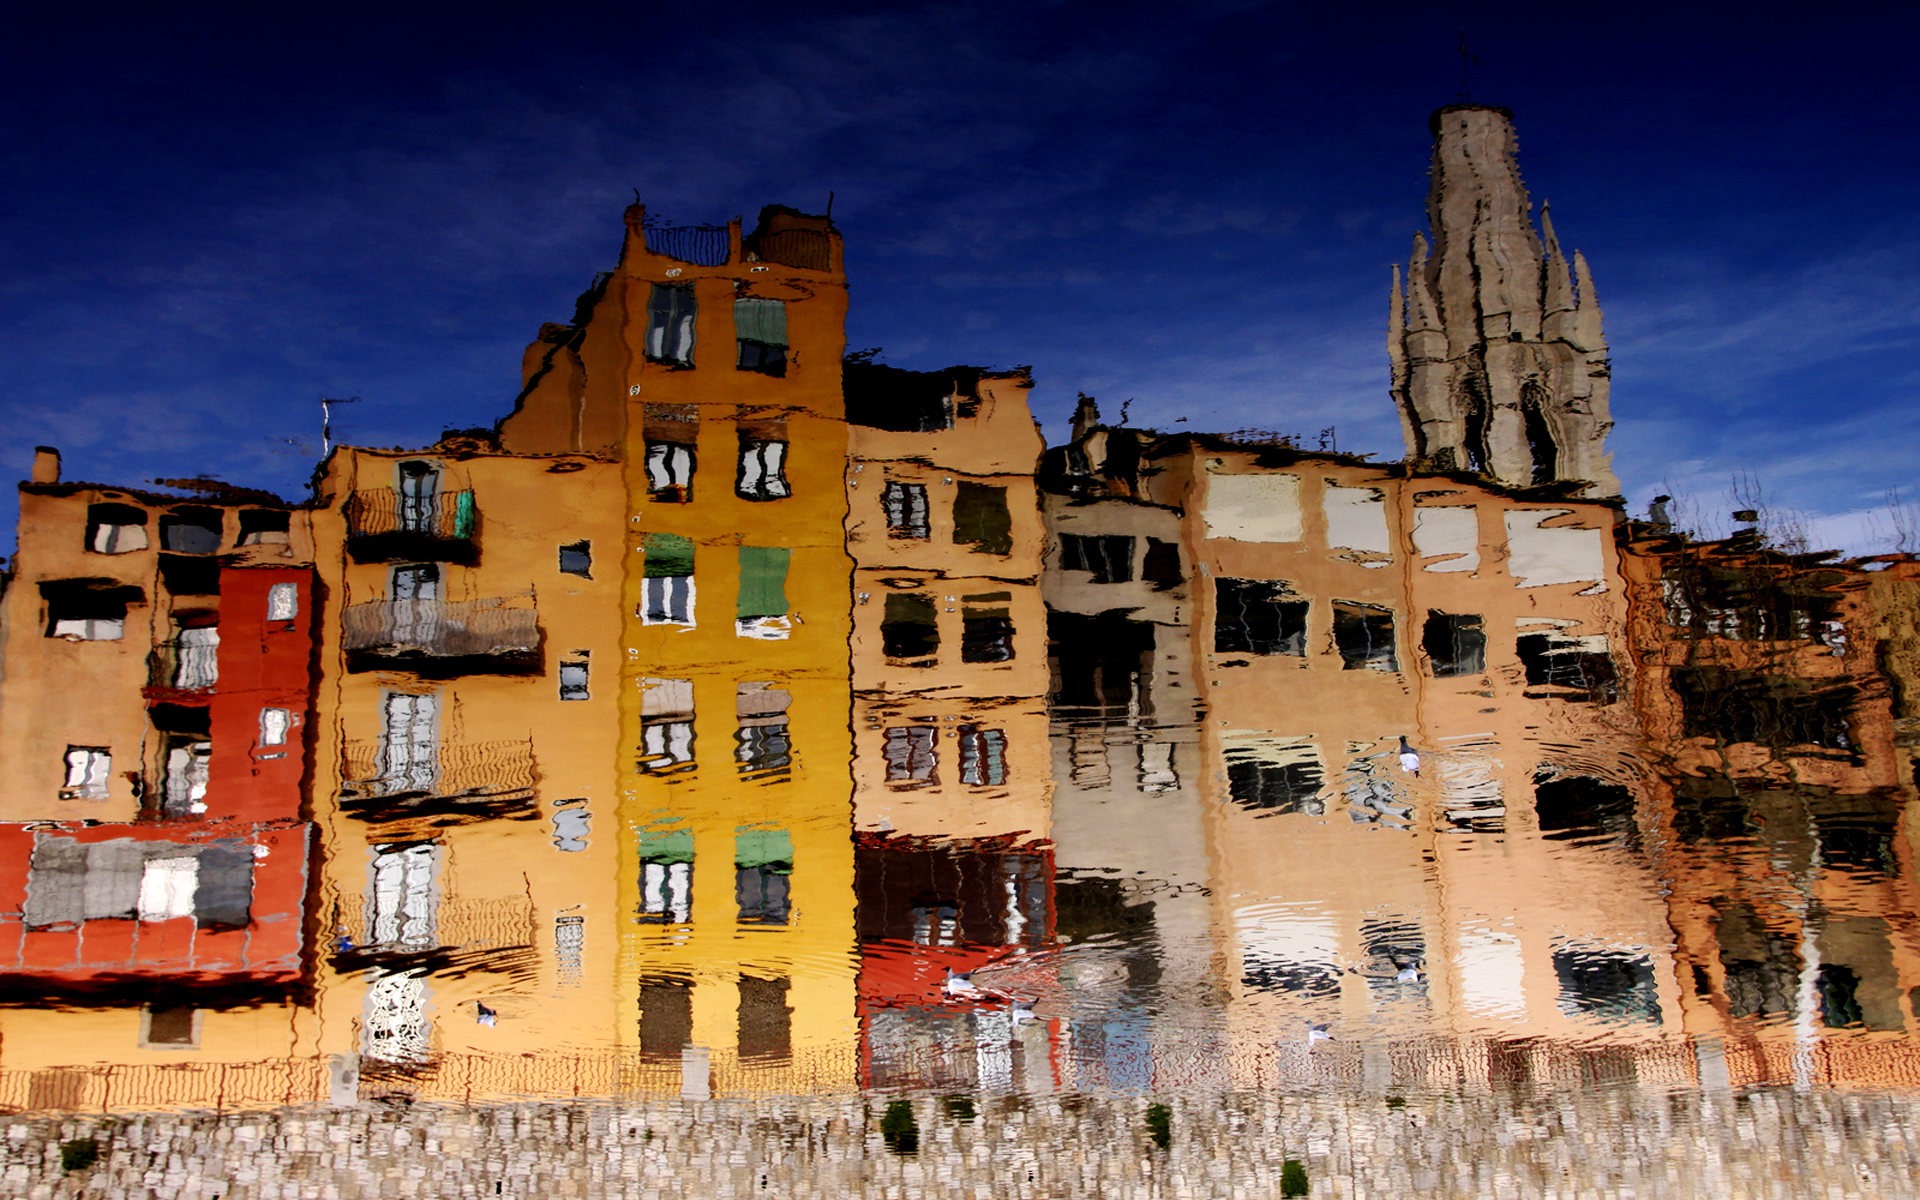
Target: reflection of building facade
x=464, y=779
x=154, y=863
x=949, y=675
x=1784, y=802
x=708, y=364
x=739, y=717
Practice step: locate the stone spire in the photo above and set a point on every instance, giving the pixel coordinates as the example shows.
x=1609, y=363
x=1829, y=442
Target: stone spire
x=1498, y=361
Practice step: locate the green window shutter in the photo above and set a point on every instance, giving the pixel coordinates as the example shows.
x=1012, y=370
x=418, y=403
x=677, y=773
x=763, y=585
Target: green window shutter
x=763, y=581
x=463, y=514
x=668, y=554
x=763, y=848
x=666, y=845
x=760, y=321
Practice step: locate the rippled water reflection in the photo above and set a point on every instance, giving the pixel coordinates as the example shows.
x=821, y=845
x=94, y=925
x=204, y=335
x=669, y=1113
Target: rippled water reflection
x=735, y=720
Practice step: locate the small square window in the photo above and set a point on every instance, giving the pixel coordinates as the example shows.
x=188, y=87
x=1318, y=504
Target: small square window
x=88, y=770
x=283, y=602
x=576, y=558
x=169, y=1028
x=573, y=680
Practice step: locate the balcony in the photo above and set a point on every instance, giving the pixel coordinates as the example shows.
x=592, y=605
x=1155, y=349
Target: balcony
x=425, y=789
x=384, y=525
x=185, y=670
x=439, y=639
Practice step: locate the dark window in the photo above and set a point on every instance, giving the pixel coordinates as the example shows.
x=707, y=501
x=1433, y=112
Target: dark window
x=86, y=611
x=986, y=628
x=576, y=558
x=761, y=327
x=190, y=531
x=1613, y=986
x=1269, y=787
x=1571, y=668
x=116, y=528
x=262, y=526
x=981, y=519
x=1456, y=643
x=170, y=1026
x=1258, y=616
x=763, y=745
x=763, y=875
x=908, y=630
x=1363, y=633
x=1108, y=556
x=1770, y=710
x=983, y=756
x=666, y=1017
x=766, y=1020
x=1762, y=966
x=670, y=312
x=573, y=680
x=1162, y=563
x=1578, y=807
x=906, y=508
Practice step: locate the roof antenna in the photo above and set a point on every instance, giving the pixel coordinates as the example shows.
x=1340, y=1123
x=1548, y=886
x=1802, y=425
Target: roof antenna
x=829, y=206
x=1468, y=61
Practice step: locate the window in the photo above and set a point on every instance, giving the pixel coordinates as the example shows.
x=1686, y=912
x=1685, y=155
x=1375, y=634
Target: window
x=763, y=470
x=419, y=488
x=576, y=558
x=196, y=656
x=981, y=519
x=403, y=896
x=762, y=610
x=82, y=612
x=1606, y=984
x=1258, y=616
x=671, y=432
x=1161, y=563
x=666, y=1017
x=909, y=635
x=666, y=725
x=1108, y=556
x=265, y=527
x=184, y=785
x=763, y=872
x=670, y=312
x=274, y=723
x=409, y=759
x=191, y=531
x=1363, y=633
x=983, y=756
x=573, y=679
x=169, y=1027
x=1456, y=643
x=1273, y=779
x=283, y=602
x=986, y=628
x=765, y=749
x=571, y=824
x=761, y=327
x=766, y=1019
x=167, y=886
x=88, y=768
x=394, y=1025
x=1577, y=668
x=912, y=755
x=116, y=528
x=668, y=580
x=906, y=509
x=569, y=948
x=666, y=876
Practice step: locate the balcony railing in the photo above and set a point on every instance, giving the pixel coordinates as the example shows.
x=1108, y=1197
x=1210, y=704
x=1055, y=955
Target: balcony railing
x=384, y=524
x=494, y=636
x=455, y=784
x=182, y=670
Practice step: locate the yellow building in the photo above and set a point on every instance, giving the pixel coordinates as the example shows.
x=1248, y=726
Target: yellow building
x=466, y=779
x=709, y=364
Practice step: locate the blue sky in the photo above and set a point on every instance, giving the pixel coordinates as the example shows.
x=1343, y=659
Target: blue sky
x=210, y=223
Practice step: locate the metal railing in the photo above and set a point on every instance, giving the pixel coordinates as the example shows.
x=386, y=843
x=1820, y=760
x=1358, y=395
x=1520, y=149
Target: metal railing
x=460, y=768
x=492, y=627
x=376, y=511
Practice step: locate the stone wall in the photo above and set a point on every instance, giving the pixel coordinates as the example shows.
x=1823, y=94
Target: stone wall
x=1761, y=1144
